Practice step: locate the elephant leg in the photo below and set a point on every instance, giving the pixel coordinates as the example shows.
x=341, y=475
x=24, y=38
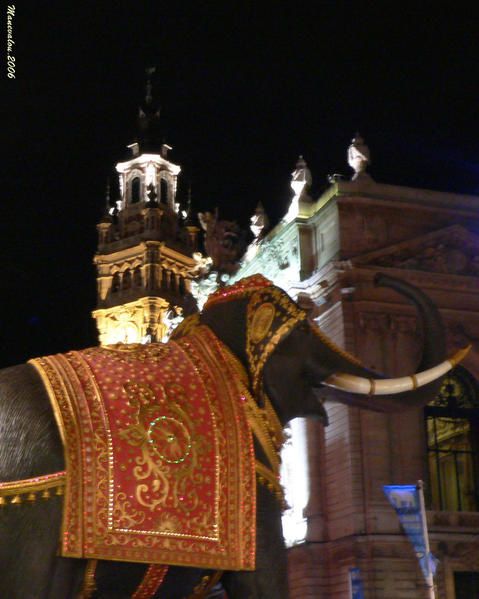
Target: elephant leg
x=269, y=580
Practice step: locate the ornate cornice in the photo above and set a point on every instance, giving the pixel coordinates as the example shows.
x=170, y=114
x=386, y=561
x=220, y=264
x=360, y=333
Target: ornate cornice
x=428, y=280
x=450, y=251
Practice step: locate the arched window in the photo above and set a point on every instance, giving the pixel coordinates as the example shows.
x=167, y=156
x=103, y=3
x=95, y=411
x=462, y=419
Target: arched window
x=135, y=190
x=182, y=288
x=165, y=279
x=137, y=280
x=452, y=429
x=164, y=191
x=126, y=279
x=115, y=284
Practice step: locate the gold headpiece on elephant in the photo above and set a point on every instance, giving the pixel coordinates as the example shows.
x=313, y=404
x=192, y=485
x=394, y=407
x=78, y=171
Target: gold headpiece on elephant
x=271, y=314
x=242, y=288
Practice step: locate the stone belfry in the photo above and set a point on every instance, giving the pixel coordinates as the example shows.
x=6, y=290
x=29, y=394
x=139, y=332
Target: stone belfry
x=144, y=259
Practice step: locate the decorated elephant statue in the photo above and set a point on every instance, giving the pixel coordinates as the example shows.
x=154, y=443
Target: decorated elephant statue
x=152, y=471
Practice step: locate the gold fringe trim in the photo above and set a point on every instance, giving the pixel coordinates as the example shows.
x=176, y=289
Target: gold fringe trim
x=38, y=486
x=270, y=480
x=265, y=426
x=264, y=422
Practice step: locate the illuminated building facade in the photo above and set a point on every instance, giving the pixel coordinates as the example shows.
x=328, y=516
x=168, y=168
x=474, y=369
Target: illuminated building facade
x=329, y=250
x=144, y=260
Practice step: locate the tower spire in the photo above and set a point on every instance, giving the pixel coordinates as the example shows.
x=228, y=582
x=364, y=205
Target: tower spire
x=149, y=137
x=107, y=195
x=188, y=203
x=149, y=72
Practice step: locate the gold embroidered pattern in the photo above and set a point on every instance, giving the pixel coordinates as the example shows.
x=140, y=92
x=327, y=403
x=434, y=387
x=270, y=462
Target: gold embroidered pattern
x=242, y=288
x=166, y=455
x=266, y=428
x=151, y=582
x=286, y=317
x=186, y=326
x=67, y=421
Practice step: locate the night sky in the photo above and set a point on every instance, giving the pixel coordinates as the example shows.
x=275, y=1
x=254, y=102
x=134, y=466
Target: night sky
x=244, y=90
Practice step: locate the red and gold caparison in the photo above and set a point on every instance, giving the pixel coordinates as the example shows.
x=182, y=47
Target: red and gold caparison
x=159, y=453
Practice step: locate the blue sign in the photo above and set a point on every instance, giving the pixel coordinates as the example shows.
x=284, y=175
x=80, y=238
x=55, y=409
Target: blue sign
x=357, y=591
x=405, y=500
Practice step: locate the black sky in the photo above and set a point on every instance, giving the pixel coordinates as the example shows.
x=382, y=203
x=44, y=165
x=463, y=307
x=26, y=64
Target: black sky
x=244, y=90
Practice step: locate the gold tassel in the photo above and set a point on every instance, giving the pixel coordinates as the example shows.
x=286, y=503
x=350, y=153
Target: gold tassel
x=30, y=489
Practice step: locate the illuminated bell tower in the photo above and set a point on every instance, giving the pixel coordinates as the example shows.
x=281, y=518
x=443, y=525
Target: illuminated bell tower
x=144, y=258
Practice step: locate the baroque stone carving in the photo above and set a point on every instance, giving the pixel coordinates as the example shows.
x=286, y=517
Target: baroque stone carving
x=202, y=287
x=276, y=252
x=224, y=242
x=441, y=258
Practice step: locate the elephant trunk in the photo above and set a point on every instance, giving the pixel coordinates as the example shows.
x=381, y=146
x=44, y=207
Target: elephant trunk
x=373, y=391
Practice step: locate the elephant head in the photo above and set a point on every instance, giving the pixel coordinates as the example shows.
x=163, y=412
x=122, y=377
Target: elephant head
x=289, y=359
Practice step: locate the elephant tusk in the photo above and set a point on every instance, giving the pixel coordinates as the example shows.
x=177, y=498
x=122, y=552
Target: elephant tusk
x=365, y=386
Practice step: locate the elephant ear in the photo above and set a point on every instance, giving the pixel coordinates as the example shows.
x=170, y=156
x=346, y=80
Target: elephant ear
x=271, y=315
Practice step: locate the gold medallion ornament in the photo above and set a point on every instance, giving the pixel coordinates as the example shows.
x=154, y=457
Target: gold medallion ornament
x=261, y=322
x=271, y=316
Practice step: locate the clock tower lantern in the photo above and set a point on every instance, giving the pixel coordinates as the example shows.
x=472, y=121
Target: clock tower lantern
x=144, y=259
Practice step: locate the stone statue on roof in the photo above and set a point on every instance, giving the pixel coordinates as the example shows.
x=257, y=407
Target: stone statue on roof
x=259, y=222
x=359, y=157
